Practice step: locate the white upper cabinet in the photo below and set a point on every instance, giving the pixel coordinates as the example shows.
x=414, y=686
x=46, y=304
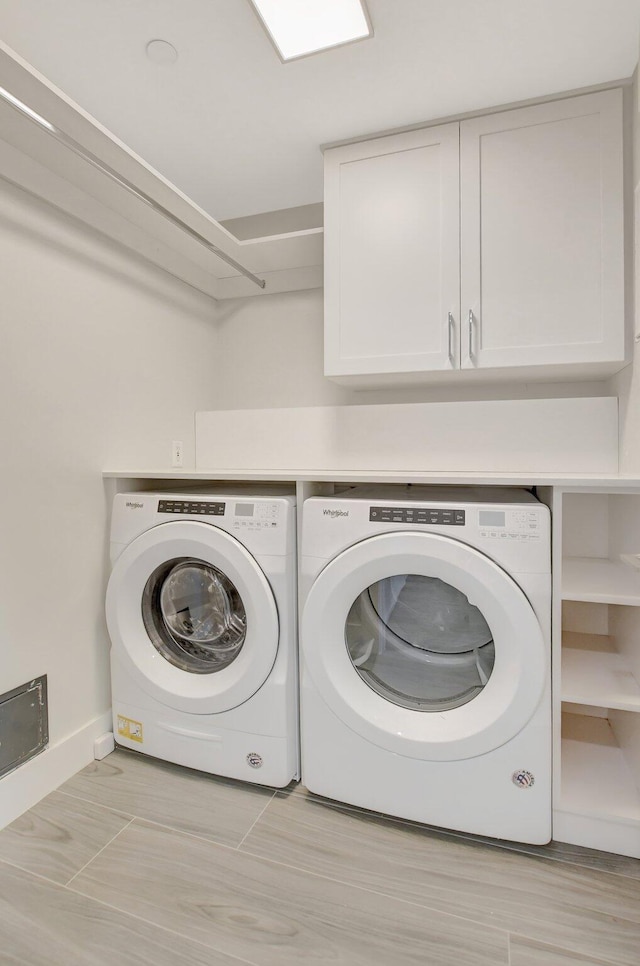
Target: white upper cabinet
x=493, y=243
x=542, y=234
x=392, y=267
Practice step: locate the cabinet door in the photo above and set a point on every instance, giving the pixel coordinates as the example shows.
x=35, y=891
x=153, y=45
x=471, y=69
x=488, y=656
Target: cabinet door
x=392, y=282
x=542, y=234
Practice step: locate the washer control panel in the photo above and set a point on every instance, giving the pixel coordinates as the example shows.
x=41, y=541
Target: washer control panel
x=191, y=506
x=243, y=514
x=255, y=516
x=425, y=515
x=520, y=524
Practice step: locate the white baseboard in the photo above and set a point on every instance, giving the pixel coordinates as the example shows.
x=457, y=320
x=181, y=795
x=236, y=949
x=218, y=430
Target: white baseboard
x=609, y=835
x=23, y=788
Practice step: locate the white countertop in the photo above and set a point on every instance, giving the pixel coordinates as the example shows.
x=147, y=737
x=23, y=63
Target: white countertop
x=580, y=480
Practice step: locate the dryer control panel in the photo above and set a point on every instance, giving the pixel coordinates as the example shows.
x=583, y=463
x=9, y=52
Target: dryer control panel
x=520, y=524
x=418, y=514
x=509, y=525
x=494, y=524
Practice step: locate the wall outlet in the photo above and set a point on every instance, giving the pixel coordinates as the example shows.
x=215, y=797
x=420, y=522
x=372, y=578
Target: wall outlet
x=176, y=453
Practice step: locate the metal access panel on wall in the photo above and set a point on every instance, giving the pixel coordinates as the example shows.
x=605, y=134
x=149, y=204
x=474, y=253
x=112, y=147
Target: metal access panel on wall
x=24, y=723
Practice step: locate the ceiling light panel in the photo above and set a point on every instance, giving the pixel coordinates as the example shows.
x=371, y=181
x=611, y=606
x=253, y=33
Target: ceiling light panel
x=301, y=27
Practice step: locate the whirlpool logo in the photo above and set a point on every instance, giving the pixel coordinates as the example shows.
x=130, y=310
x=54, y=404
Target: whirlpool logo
x=335, y=513
x=134, y=506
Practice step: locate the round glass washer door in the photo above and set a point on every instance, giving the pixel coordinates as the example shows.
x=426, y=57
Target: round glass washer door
x=424, y=646
x=192, y=617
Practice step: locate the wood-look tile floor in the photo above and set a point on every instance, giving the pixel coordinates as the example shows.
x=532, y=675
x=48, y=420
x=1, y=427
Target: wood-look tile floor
x=134, y=861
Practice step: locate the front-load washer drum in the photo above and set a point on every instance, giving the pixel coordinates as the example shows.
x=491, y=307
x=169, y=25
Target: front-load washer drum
x=424, y=646
x=192, y=617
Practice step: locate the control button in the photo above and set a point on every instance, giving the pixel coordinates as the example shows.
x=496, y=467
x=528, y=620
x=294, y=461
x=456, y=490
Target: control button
x=429, y=516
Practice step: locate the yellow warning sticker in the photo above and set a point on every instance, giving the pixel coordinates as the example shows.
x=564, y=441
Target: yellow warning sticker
x=128, y=728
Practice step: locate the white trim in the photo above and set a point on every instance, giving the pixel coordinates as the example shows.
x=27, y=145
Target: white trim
x=27, y=785
x=597, y=832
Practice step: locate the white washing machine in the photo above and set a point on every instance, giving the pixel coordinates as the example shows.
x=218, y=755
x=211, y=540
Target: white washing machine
x=425, y=648
x=201, y=611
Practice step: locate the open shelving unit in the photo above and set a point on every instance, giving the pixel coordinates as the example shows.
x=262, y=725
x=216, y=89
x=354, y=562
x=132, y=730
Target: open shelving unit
x=597, y=678
x=600, y=581
x=595, y=674
x=596, y=765
x=80, y=168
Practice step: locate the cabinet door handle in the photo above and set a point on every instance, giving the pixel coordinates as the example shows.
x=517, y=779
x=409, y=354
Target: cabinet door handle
x=450, y=327
x=471, y=335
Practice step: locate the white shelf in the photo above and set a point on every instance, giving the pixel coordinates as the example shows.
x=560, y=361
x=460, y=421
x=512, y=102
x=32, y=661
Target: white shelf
x=596, y=780
x=33, y=160
x=593, y=673
x=600, y=580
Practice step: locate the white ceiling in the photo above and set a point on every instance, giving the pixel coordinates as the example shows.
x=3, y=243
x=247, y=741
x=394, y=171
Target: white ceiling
x=240, y=132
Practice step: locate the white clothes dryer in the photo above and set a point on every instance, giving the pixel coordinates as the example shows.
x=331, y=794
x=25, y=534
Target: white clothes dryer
x=425, y=650
x=201, y=611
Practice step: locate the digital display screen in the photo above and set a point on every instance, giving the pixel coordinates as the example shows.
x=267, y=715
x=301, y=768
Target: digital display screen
x=491, y=518
x=244, y=509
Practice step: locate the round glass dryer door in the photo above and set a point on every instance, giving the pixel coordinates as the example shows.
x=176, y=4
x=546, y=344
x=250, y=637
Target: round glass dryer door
x=194, y=615
x=424, y=646
x=419, y=643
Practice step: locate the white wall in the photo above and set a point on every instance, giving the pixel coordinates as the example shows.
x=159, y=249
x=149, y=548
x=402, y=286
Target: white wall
x=271, y=354
x=104, y=360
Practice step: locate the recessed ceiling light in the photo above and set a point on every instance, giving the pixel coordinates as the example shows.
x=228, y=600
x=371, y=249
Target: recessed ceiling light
x=301, y=27
x=161, y=52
